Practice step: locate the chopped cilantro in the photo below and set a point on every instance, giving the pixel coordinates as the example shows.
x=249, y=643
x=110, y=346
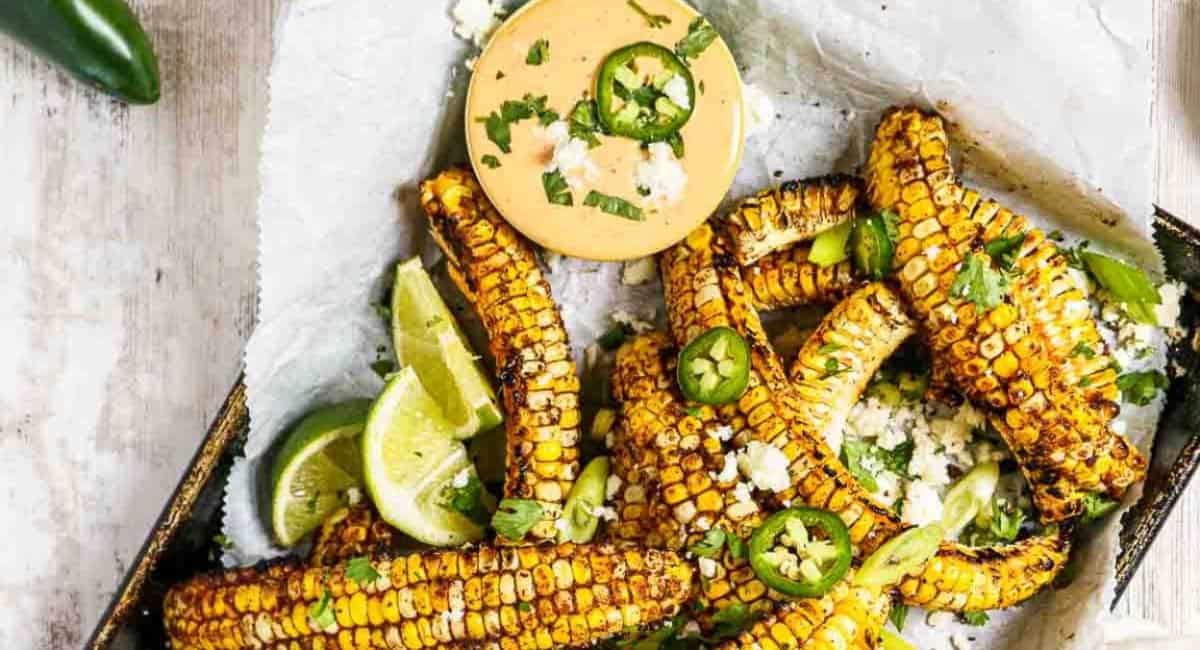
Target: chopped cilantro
x=1140, y=387
x=539, y=52
x=974, y=618
x=497, y=131
x=360, y=570
x=321, y=612
x=730, y=620
x=853, y=453
x=583, y=123
x=383, y=367
x=491, y=161
x=676, y=142
x=512, y=111
x=524, y=606
x=1006, y=521
x=1084, y=350
x=898, y=614
x=978, y=283
x=613, y=205
x=830, y=348
x=515, y=517
x=710, y=545
x=738, y=548
x=613, y=338
x=833, y=368
x=467, y=500
x=693, y=411
x=1096, y=505
x=655, y=21
x=1055, y=235
x=699, y=36
x=655, y=640
x=557, y=191
x=222, y=541
x=1004, y=250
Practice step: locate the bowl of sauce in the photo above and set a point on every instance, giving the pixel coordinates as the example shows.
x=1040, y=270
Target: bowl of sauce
x=605, y=130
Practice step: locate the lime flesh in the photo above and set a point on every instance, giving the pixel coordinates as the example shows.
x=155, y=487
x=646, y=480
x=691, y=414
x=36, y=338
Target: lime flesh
x=411, y=460
x=315, y=470
x=427, y=338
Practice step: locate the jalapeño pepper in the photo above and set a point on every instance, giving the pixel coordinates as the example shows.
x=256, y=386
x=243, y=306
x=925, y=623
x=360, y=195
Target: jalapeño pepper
x=903, y=555
x=801, y=552
x=645, y=113
x=98, y=41
x=715, y=367
x=872, y=248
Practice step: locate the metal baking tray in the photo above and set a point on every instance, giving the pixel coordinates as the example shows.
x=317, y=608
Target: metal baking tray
x=181, y=542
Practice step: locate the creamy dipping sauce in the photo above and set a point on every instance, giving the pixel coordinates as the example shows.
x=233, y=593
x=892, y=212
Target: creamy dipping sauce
x=572, y=39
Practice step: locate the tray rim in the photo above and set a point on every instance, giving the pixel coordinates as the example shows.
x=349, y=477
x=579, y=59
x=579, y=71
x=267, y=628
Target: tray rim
x=1152, y=509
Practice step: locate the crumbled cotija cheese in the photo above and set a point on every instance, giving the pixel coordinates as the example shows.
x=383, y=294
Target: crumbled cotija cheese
x=661, y=176
x=765, y=466
x=475, y=20
x=639, y=271
x=570, y=155
x=759, y=110
x=922, y=503
x=638, y=325
x=676, y=90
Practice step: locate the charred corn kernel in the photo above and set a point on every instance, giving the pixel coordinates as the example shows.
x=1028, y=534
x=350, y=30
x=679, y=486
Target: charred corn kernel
x=845, y=618
x=786, y=278
x=1058, y=430
x=704, y=289
x=840, y=357
x=965, y=579
x=653, y=585
x=353, y=531
x=498, y=272
x=794, y=211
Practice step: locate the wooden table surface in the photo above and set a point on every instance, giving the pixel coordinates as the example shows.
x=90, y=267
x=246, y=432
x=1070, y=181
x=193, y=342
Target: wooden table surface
x=127, y=290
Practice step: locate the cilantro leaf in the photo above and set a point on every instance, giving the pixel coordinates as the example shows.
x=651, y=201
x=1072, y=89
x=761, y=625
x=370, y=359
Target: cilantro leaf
x=898, y=614
x=830, y=348
x=515, y=517
x=613, y=338
x=490, y=161
x=895, y=460
x=710, y=545
x=1004, y=250
x=321, y=612
x=583, y=123
x=730, y=620
x=1006, y=521
x=853, y=453
x=1084, y=350
x=539, y=52
x=524, y=606
x=738, y=549
x=974, y=618
x=833, y=368
x=614, y=205
x=699, y=36
x=655, y=21
x=467, y=500
x=515, y=111
x=978, y=283
x=497, y=131
x=222, y=541
x=676, y=142
x=383, y=367
x=1096, y=505
x=557, y=190
x=654, y=640
x=360, y=570
x=1140, y=387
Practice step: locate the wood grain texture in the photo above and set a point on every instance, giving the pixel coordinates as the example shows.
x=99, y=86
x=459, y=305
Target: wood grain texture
x=1166, y=588
x=127, y=290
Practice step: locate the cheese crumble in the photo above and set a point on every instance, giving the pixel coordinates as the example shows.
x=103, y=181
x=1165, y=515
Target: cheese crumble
x=660, y=178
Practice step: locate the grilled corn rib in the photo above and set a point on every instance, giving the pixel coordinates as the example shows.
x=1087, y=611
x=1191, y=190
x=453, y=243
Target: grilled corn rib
x=965, y=579
x=999, y=358
x=353, y=531
x=704, y=289
x=794, y=211
x=668, y=461
x=785, y=278
x=840, y=357
x=498, y=272
x=847, y=617
x=506, y=597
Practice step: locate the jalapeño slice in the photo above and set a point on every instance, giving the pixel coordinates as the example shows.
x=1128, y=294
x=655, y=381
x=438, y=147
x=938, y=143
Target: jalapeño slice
x=643, y=112
x=801, y=552
x=715, y=367
x=871, y=247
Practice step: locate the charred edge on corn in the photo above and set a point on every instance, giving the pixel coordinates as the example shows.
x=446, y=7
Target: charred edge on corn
x=785, y=278
x=498, y=272
x=847, y=617
x=794, y=211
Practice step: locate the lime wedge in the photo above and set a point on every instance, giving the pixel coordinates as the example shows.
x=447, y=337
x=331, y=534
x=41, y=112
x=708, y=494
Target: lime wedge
x=411, y=461
x=316, y=468
x=427, y=338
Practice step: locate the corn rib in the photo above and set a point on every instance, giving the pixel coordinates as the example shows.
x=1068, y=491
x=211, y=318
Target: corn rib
x=494, y=597
x=785, y=278
x=1004, y=358
x=848, y=617
x=792, y=212
x=498, y=272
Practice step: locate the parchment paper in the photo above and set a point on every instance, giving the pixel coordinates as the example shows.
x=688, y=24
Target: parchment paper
x=1052, y=109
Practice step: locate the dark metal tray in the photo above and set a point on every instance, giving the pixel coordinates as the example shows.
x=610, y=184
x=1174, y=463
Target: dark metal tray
x=181, y=542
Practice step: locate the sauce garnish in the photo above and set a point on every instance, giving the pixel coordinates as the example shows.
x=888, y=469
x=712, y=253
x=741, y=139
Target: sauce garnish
x=539, y=146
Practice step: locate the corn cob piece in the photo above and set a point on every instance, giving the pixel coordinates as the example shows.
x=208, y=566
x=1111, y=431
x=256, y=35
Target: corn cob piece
x=498, y=272
x=840, y=357
x=508, y=597
x=847, y=617
x=785, y=278
x=354, y=531
x=998, y=358
x=794, y=211
x=704, y=289
x=965, y=579
x=668, y=461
